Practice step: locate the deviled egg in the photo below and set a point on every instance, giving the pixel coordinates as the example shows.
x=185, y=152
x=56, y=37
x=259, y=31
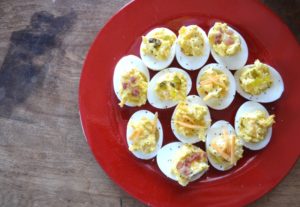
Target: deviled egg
x=228, y=47
x=183, y=163
x=144, y=134
x=253, y=125
x=192, y=47
x=190, y=120
x=158, y=48
x=216, y=86
x=130, y=81
x=168, y=87
x=223, y=147
x=259, y=82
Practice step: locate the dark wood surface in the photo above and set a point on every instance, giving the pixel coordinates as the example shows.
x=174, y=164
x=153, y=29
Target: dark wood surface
x=44, y=159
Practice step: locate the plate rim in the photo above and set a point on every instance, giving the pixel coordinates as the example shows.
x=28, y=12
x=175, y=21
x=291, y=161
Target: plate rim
x=82, y=121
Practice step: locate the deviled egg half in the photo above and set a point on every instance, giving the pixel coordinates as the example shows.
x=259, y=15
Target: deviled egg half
x=183, y=163
x=228, y=47
x=253, y=125
x=192, y=47
x=223, y=147
x=144, y=134
x=216, y=86
x=168, y=87
x=130, y=81
x=259, y=82
x=158, y=48
x=191, y=120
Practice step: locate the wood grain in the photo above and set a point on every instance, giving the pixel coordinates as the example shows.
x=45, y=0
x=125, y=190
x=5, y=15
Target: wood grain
x=44, y=159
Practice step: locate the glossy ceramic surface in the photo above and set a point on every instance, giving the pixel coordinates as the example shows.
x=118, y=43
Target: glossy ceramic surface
x=104, y=122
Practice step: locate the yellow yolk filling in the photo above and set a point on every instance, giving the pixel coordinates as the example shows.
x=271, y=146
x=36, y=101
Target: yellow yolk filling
x=172, y=86
x=254, y=126
x=145, y=135
x=226, y=149
x=133, y=88
x=256, y=78
x=191, y=41
x=224, y=41
x=189, y=120
x=188, y=161
x=159, y=44
x=213, y=84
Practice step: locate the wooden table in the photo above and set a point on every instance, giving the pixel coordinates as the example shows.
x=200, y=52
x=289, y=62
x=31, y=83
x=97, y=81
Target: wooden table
x=44, y=158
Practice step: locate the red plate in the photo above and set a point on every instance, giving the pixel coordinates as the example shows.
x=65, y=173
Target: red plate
x=104, y=123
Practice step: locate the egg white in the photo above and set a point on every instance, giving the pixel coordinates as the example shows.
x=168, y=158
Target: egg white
x=150, y=61
x=165, y=159
x=191, y=100
x=137, y=116
x=193, y=62
x=236, y=61
x=213, y=132
x=215, y=103
x=154, y=100
x=124, y=65
x=271, y=94
x=248, y=107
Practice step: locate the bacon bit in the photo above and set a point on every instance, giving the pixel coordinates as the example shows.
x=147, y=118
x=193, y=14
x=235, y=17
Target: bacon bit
x=196, y=157
x=135, y=92
x=218, y=38
x=125, y=86
x=218, y=41
x=185, y=171
x=189, y=164
x=132, y=79
x=179, y=165
x=229, y=32
x=184, y=166
x=228, y=41
x=191, y=126
x=218, y=35
x=188, y=161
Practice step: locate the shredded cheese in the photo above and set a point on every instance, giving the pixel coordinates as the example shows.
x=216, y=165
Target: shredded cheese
x=191, y=126
x=227, y=153
x=220, y=151
x=232, y=149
